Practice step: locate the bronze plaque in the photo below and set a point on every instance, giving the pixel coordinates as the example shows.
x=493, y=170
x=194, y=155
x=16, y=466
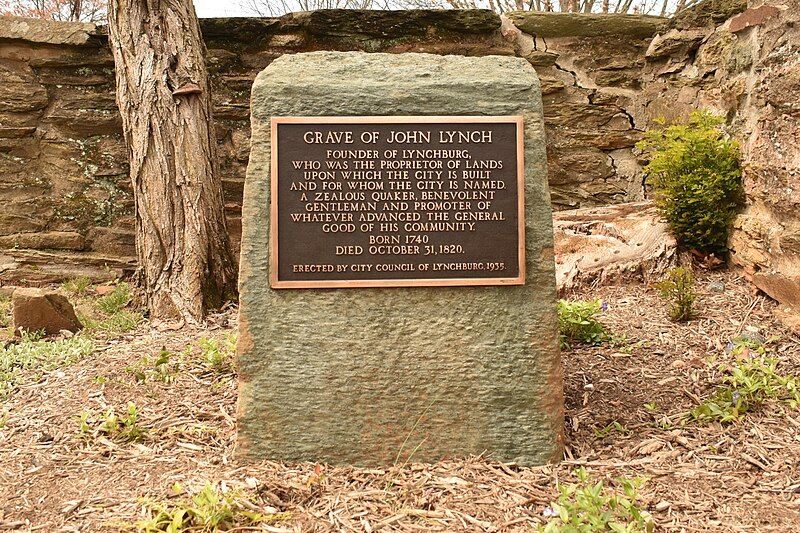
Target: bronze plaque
x=397, y=201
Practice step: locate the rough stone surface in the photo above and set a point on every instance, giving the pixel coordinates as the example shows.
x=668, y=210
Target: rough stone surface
x=42, y=31
x=58, y=240
x=753, y=17
x=587, y=24
x=42, y=310
x=63, y=163
x=367, y=376
x=708, y=13
x=747, y=69
x=675, y=42
x=588, y=85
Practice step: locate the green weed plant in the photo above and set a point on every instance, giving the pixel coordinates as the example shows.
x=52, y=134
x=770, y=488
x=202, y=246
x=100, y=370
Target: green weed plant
x=217, y=355
x=678, y=290
x=164, y=367
x=578, y=323
x=109, y=314
x=114, y=301
x=747, y=386
x=32, y=353
x=118, y=427
x=77, y=286
x=209, y=510
x=587, y=507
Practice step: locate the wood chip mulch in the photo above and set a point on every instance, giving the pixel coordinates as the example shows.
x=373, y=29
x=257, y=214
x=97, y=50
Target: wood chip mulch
x=740, y=477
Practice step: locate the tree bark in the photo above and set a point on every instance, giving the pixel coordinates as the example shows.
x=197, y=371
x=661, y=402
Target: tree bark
x=163, y=92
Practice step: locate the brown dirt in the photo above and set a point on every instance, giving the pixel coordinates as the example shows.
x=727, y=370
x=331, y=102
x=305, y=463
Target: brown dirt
x=742, y=477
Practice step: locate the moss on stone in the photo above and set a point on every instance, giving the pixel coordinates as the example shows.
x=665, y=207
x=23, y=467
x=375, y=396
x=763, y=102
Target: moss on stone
x=373, y=29
x=707, y=13
x=587, y=25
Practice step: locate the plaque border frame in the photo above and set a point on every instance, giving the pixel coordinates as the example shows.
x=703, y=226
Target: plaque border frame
x=275, y=283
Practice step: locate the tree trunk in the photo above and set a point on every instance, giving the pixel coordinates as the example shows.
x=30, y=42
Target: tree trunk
x=163, y=93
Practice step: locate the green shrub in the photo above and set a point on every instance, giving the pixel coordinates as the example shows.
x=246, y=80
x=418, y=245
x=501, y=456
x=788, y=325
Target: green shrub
x=76, y=286
x=587, y=507
x=748, y=385
x=696, y=177
x=208, y=510
x=678, y=289
x=577, y=322
x=113, y=302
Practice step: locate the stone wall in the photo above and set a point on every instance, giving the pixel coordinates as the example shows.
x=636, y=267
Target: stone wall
x=590, y=66
x=63, y=173
x=743, y=61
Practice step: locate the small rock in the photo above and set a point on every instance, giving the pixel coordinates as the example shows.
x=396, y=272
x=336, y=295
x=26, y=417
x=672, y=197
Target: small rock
x=663, y=505
x=678, y=364
x=675, y=43
x=43, y=310
x=752, y=17
x=789, y=318
x=539, y=58
x=752, y=336
x=102, y=290
x=716, y=286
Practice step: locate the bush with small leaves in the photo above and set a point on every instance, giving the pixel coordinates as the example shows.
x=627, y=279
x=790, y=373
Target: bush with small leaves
x=587, y=507
x=697, y=180
x=678, y=289
x=577, y=322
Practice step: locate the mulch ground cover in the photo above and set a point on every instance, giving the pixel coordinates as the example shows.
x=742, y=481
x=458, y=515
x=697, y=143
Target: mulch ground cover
x=627, y=402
